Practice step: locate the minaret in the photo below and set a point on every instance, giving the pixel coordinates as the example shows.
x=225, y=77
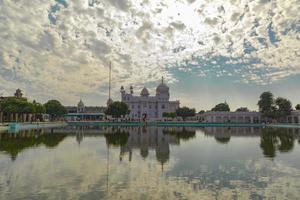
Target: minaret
x=109, y=101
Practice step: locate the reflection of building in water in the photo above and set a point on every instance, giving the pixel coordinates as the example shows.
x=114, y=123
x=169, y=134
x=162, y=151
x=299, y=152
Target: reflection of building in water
x=272, y=140
x=146, y=139
x=223, y=132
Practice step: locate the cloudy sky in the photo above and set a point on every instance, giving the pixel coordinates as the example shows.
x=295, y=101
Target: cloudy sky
x=208, y=51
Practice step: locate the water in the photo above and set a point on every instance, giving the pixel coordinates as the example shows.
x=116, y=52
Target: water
x=150, y=163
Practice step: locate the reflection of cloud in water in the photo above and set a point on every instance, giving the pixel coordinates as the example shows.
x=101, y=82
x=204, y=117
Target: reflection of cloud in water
x=70, y=171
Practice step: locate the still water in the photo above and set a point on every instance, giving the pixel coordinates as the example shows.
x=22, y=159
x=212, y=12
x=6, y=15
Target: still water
x=150, y=163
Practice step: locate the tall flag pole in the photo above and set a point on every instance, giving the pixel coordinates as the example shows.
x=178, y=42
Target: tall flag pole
x=109, y=81
x=109, y=100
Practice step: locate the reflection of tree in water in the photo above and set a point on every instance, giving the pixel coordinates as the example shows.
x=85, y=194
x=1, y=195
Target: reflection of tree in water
x=222, y=140
x=15, y=143
x=273, y=140
x=117, y=138
x=183, y=133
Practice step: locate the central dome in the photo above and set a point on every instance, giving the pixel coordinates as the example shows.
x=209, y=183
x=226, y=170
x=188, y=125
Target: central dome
x=162, y=88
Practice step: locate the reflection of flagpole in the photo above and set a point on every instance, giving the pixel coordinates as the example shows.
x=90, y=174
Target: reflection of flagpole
x=107, y=167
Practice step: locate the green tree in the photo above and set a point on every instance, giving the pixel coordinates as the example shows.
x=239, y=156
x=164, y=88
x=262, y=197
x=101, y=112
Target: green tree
x=221, y=107
x=39, y=108
x=185, y=112
x=55, y=109
x=28, y=108
x=13, y=105
x=284, y=107
x=201, y=112
x=242, y=109
x=266, y=104
x=117, y=109
x=297, y=107
x=169, y=115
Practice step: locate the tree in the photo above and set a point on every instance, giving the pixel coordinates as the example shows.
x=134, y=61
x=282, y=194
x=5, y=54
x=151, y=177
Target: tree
x=297, y=107
x=169, y=115
x=221, y=107
x=117, y=109
x=284, y=107
x=39, y=108
x=242, y=109
x=55, y=109
x=266, y=104
x=185, y=112
x=29, y=108
x=201, y=112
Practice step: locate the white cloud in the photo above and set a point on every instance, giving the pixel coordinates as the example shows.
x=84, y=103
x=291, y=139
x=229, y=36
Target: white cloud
x=62, y=48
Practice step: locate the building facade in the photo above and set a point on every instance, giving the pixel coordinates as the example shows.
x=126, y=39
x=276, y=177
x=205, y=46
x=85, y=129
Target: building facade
x=150, y=107
x=85, y=113
x=82, y=108
x=294, y=117
x=229, y=117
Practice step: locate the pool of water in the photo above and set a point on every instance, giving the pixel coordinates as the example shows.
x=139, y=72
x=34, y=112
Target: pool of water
x=150, y=163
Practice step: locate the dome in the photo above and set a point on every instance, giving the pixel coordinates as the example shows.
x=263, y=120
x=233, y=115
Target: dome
x=145, y=92
x=162, y=88
x=80, y=104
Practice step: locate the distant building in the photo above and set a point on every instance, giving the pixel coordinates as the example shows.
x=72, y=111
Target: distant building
x=18, y=93
x=81, y=108
x=151, y=107
x=232, y=117
x=294, y=117
x=85, y=113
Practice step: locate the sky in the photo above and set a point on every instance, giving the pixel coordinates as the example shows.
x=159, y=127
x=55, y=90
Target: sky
x=208, y=51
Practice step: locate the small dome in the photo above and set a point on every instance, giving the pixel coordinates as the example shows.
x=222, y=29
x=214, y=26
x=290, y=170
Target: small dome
x=80, y=103
x=145, y=92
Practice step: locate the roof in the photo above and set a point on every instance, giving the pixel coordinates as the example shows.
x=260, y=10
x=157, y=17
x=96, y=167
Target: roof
x=83, y=114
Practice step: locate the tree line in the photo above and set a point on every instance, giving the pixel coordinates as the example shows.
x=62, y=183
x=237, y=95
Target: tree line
x=20, y=109
x=14, y=109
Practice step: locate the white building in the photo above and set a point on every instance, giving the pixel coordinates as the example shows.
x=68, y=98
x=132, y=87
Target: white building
x=151, y=107
x=294, y=117
x=232, y=117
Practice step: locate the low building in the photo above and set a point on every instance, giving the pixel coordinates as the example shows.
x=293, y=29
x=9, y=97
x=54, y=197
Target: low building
x=294, y=117
x=81, y=108
x=150, y=107
x=85, y=113
x=229, y=117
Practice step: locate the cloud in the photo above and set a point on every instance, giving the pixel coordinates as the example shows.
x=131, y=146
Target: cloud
x=64, y=47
